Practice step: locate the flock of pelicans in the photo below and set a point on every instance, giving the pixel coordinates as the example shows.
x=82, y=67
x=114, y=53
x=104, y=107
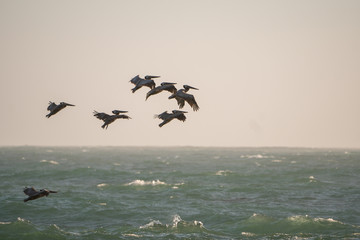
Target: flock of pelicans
x=180, y=95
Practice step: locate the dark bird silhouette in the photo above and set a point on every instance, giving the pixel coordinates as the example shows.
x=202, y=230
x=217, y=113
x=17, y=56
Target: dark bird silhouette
x=165, y=86
x=140, y=82
x=168, y=117
x=182, y=96
x=34, y=194
x=54, y=108
x=108, y=119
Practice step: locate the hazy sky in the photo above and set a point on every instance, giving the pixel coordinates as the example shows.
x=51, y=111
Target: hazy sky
x=270, y=73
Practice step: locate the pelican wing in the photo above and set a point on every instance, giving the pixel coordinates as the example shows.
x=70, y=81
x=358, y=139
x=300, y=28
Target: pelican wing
x=170, y=88
x=165, y=115
x=135, y=80
x=181, y=117
x=123, y=116
x=101, y=116
x=191, y=101
x=180, y=101
x=30, y=191
x=51, y=106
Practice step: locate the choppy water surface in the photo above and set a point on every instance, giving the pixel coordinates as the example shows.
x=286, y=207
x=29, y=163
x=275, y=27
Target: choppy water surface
x=180, y=193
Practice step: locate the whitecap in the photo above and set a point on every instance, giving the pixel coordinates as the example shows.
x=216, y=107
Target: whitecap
x=176, y=220
x=312, y=179
x=131, y=235
x=101, y=185
x=198, y=223
x=116, y=164
x=248, y=234
x=276, y=161
x=51, y=161
x=22, y=219
x=327, y=220
x=4, y=223
x=151, y=224
x=102, y=204
x=223, y=172
x=138, y=182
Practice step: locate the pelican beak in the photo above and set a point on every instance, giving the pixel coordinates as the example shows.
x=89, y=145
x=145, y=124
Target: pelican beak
x=193, y=88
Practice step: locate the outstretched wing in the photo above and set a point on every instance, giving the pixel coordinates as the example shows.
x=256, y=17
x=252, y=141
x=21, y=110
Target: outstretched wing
x=30, y=191
x=101, y=116
x=181, y=117
x=163, y=116
x=191, y=101
x=51, y=106
x=123, y=116
x=135, y=80
x=180, y=101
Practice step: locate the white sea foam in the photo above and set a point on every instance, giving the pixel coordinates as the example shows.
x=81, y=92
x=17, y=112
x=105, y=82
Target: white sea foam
x=276, y=161
x=131, y=235
x=102, y=185
x=312, y=179
x=151, y=224
x=248, y=234
x=51, y=161
x=223, y=172
x=102, y=204
x=4, y=223
x=138, y=182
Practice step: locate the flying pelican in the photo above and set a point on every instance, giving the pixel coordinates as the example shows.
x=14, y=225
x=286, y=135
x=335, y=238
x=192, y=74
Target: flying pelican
x=140, y=82
x=34, y=194
x=54, y=108
x=167, y=117
x=108, y=119
x=181, y=96
x=167, y=86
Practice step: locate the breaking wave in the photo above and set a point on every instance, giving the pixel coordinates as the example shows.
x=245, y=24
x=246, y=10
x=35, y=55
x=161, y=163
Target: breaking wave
x=146, y=183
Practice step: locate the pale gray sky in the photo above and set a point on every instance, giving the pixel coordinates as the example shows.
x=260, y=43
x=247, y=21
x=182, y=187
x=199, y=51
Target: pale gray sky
x=270, y=73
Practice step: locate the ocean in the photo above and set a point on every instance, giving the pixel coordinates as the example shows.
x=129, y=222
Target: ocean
x=180, y=193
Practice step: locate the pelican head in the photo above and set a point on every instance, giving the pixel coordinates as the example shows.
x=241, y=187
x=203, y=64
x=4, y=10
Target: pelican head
x=117, y=112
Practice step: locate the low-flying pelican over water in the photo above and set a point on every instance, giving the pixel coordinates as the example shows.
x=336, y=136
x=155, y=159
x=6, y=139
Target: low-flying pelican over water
x=108, y=119
x=165, y=86
x=54, y=108
x=140, y=82
x=168, y=117
x=182, y=96
x=34, y=194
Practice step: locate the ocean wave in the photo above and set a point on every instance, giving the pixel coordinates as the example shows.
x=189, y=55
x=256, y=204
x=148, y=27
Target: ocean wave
x=102, y=185
x=263, y=224
x=223, y=172
x=177, y=223
x=51, y=161
x=139, y=182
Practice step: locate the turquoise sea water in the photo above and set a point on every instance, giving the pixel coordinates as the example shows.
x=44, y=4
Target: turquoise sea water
x=180, y=193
